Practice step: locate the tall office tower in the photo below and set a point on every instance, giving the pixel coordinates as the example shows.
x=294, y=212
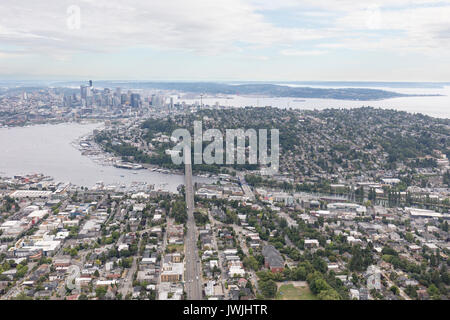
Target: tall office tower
x=67, y=101
x=90, y=83
x=171, y=103
x=24, y=95
x=83, y=91
x=152, y=100
x=135, y=100
x=158, y=101
x=123, y=98
x=98, y=100
x=118, y=91
x=115, y=101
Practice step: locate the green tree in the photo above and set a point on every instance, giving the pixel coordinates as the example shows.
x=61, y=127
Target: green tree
x=268, y=288
x=395, y=290
x=329, y=294
x=100, y=292
x=433, y=291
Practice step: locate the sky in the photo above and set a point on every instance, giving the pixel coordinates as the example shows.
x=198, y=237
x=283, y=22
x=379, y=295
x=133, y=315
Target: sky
x=214, y=40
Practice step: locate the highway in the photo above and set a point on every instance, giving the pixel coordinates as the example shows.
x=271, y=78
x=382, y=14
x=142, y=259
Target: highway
x=193, y=276
x=161, y=262
x=245, y=187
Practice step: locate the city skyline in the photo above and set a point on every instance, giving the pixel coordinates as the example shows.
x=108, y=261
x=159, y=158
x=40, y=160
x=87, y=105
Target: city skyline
x=401, y=40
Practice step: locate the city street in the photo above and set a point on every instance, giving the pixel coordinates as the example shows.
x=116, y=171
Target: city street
x=193, y=269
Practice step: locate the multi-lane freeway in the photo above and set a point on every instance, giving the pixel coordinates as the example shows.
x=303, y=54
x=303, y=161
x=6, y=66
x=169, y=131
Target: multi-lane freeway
x=193, y=277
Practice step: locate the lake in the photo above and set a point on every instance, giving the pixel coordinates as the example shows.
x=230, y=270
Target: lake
x=47, y=149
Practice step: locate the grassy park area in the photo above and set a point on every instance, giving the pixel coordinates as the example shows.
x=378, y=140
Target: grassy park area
x=291, y=292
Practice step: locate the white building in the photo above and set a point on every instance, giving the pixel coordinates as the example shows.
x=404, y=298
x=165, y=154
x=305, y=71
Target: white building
x=236, y=271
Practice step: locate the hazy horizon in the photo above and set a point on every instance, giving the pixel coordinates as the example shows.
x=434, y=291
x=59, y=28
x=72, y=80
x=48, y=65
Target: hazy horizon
x=213, y=80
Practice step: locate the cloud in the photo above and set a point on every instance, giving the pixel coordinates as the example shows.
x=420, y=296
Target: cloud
x=215, y=27
x=398, y=26
x=293, y=52
x=415, y=29
x=201, y=26
x=242, y=29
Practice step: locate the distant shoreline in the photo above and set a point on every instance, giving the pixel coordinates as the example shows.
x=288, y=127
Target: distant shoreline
x=351, y=91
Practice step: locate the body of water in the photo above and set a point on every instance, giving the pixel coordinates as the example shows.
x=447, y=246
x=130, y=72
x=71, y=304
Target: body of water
x=435, y=106
x=47, y=149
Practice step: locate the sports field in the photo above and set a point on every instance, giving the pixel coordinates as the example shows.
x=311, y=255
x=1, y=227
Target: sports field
x=291, y=292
